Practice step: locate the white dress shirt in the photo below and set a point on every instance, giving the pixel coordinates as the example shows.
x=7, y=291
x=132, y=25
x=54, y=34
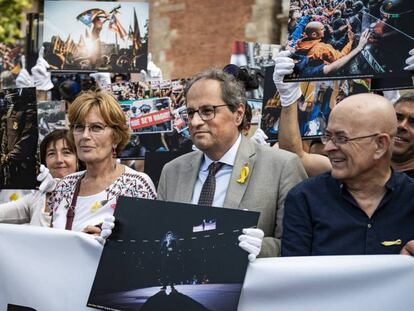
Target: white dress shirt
x=222, y=176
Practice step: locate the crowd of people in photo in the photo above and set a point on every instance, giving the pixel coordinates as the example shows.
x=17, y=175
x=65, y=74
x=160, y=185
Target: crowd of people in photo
x=353, y=199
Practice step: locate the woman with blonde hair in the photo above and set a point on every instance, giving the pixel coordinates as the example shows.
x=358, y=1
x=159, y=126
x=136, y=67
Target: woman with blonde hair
x=83, y=200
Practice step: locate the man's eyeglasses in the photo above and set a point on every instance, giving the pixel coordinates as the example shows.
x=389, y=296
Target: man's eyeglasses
x=94, y=128
x=342, y=140
x=206, y=113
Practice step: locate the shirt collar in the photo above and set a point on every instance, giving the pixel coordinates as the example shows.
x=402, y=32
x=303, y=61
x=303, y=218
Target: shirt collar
x=228, y=158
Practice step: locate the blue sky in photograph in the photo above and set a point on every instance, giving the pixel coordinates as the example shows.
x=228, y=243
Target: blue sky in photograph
x=60, y=18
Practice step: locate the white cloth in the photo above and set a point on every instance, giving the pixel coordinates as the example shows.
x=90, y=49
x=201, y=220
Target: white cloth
x=326, y=283
x=130, y=183
x=28, y=209
x=222, y=176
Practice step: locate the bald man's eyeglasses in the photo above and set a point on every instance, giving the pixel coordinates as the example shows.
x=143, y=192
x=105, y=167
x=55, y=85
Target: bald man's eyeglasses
x=342, y=140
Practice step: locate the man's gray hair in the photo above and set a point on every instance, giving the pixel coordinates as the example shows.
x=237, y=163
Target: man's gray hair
x=407, y=97
x=232, y=91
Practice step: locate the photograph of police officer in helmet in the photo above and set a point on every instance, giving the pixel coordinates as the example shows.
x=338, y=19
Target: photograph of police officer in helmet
x=18, y=137
x=336, y=39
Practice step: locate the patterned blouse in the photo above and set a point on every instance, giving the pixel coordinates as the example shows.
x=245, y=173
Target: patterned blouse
x=131, y=184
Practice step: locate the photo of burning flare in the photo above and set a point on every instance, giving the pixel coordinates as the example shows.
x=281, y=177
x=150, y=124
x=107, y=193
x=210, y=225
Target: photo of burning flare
x=96, y=36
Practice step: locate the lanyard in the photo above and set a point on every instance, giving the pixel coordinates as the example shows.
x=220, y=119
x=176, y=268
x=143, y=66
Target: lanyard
x=71, y=210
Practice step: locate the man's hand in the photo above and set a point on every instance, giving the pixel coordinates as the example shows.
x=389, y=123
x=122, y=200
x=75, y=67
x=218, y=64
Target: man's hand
x=251, y=242
x=363, y=39
x=410, y=61
x=48, y=183
x=289, y=92
x=408, y=249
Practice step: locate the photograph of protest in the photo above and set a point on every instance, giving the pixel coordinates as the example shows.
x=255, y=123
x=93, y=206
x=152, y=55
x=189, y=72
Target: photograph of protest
x=315, y=105
x=10, y=57
x=50, y=117
x=96, y=36
x=256, y=107
x=19, y=136
x=176, y=139
x=176, y=256
x=250, y=60
x=346, y=39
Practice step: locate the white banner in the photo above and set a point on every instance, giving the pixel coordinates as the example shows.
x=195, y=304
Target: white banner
x=49, y=269
x=46, y=269
x=340, y=283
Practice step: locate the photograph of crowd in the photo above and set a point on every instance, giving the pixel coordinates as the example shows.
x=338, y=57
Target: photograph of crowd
x=18, y=137
x=339, y=39
x=174, y=258
x=96, y=36
x=256, y=106
x=176, y=139
x=50, y=117
x=315, y=105
x=252, y=59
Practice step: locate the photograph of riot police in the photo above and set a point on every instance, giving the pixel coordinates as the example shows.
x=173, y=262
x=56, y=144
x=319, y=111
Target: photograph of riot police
x=176, y=256
x=19, y=136
x=337, y=39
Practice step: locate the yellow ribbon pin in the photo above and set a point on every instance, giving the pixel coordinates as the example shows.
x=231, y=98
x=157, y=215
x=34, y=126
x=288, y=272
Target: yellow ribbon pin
x=95, y=206
x=391, y=243
x=244, y=172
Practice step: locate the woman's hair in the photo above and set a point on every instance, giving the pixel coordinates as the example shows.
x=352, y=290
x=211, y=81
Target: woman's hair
x=51, y=139
x=110, y=112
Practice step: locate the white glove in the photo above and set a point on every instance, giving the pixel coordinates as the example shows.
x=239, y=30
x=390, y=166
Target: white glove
x=259, y=137
x=41, y=76
x=410, y=61
x=24, y=79
x=392, y=96
x=106, y=229
x=251, y=242
x=289, y=92
x=48, y=183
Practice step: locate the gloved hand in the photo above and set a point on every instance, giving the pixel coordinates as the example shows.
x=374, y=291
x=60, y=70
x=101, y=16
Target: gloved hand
x=48, y=183
x=289, y=91
x=410, y=61
x=24, y=79
x=106, y=229
x=251, y=242
x=41, y=76
x=392, y=96
x=259, y=137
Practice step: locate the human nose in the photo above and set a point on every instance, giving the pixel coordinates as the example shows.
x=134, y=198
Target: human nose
x=402, y=124
x=330, y=146
x=196, y=119
x=59, y=157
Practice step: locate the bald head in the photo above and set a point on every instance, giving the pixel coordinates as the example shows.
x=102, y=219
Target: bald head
x=314, y=30
x=367, y=113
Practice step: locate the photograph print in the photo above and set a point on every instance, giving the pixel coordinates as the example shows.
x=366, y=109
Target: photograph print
x=50, y=117
x=19, y=137
x=96, y=36
x=315, y=105
x=172, y=256
x=346, y=39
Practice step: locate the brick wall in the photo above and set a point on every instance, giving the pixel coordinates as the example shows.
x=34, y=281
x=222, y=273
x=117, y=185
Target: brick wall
x=187, y=36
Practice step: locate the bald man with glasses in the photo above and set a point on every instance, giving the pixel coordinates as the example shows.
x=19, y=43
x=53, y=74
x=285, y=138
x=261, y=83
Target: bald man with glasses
x=362, y=206
x=229, y=170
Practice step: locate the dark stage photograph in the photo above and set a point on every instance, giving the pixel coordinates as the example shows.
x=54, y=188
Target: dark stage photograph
x=96, y=36
x=172, y=256
x=348, y=39
x=19, y=136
